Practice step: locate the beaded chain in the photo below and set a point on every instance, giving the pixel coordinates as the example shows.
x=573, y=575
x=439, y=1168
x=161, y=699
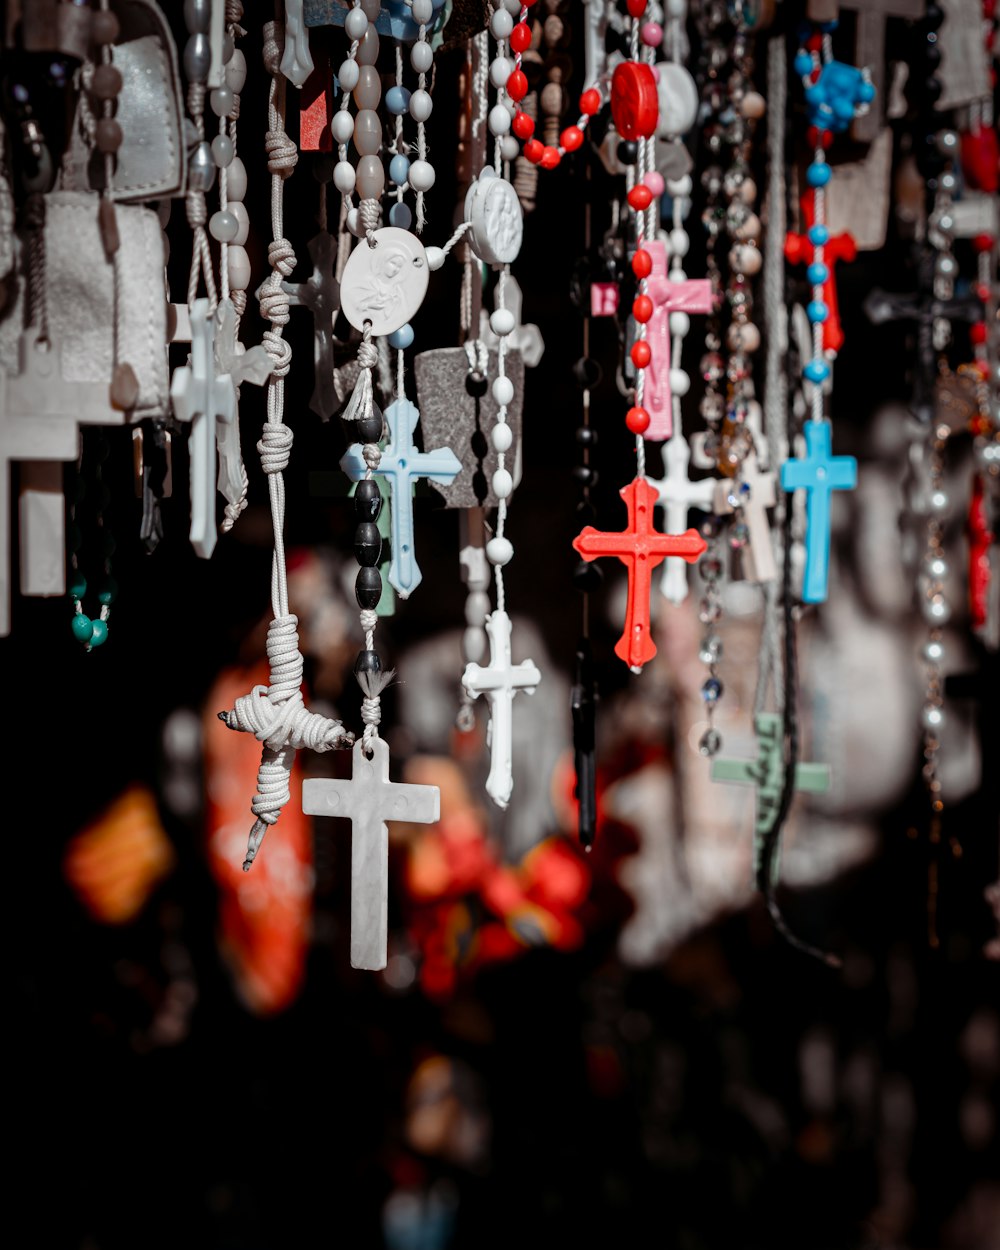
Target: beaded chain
x=89, y=631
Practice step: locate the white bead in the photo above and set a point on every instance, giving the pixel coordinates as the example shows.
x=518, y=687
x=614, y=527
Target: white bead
x=510, y=149
x=423, y=11
x=239, y=268
x=679, y=242
x=677, y=275
x=223, y=227
x=344, y=177
x=348, y=74
x=421, y=175
x=676, y=8
x=236, y=180
x=680, y=186
x=421, y=56
x=513, y=7
x=355, y=24
x=501, y=24
x=499, y=120
x=239, y=211
x=501, y=322
x=499, y=551
x=501, y=436
x=680, y=383
x=503, y=393
x=477, y=606
x=680, y=323
x=236, y=72
x=354, y=223
x=342, y=126
x=474, y=644
x=421, y=105
x=435, y=257
x=500, y=70
x=503, y=484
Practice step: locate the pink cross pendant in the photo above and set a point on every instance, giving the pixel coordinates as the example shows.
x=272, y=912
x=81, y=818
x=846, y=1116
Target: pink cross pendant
x=692, y=295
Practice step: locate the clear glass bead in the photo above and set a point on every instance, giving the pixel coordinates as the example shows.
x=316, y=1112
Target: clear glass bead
x=936, y=609
x=711, y=690
x=710, y=651
x=933, y=650
x=710, y=568
x=710, y=742
x=932, y=716
x=709, y=611
x=740, y=536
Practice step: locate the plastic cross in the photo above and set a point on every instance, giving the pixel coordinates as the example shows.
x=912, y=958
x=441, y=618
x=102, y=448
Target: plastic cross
x=199, y=397
x=296, y=60
x=677, y=493
x=242, y=365
x=753, y=494
x=820, y=474
x=640, y=548
x=368, y=800
x=691, y=295
x=320, y=293
x=799, y=250
x=767, y=774
x=499, y=681
x=402, y=465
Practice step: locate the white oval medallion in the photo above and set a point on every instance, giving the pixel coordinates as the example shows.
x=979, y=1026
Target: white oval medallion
x=494, y=213
x=385, y=284
x=678, y=95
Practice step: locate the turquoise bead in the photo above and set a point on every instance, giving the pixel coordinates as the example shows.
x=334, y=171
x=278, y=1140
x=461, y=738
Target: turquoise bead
x=82, y=627
x=100, y=634
x=402, y=338
x=817, y=311
x=818, y=174
x=817, y=274
x=803, y=64
x=110, y=591
x=819, y=236
x=78, y=586
x=817, y=371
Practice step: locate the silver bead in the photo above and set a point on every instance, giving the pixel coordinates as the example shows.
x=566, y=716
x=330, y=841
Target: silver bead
x=948, y=182
x=932, y=716
x=197, y=58
x=201, y=168
x=936, y=609
x=933, y=651
x=935, y=566
x=947, y=141
x=221, y=101
x=946, y=265
x=938, y=501
x=198, y=16
x=710, y=743
x=710, y=651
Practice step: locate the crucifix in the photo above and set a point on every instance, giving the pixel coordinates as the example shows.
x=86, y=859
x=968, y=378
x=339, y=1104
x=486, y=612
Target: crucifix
x=820, y=474
x=241, y=365
x=200, y=397
x=40, y=418
x=402, y=465
x=767, y=774
x=869, y=51
x=320, y=293
x=499, y=681
x=799, y=250
x=677, y=494
x=296, y=59
x=690, y=295
x=640, y=548
x=753, y=494
x=368, y=800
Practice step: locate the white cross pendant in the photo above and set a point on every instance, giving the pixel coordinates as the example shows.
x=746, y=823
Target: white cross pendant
x=242, y=365
x=677, y=495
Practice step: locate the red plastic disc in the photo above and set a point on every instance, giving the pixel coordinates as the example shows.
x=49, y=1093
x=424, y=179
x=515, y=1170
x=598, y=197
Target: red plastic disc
x=635, y=105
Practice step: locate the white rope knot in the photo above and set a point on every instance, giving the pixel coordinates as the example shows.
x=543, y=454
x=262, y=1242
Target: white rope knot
x=282, y=154
x=370, y=216
x=372, y=454
x=367, y=354
x=368, y=618
x=273, y=303
x=274, y=47
x=235, y=510
x=274, y=449
x=234, y=12
x=194, y=207
x=239, y=301
x=281, y=256
x=196, y=99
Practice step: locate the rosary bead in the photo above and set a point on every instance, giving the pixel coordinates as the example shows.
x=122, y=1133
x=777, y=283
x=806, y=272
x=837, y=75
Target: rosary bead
x=371, y=9
x=501, y=436
x=933, y=651
x=710, y=742
x=421, y=175
x=82, y=627
x=198, y=16
x=367, y=499
x=371, y=178
x=236, y=72
x=348, y=74
x=105, y=27
x=743, y=338
x=367, y=53
x=421, y=57
x=99, y=633
x=201, y=168
x=680, y=382
x=679, y=242
x=239, y=267
x=423, y=12
x=421, y=105
x=368, y=587
x=642, y=264
x=500, y=70
x=587, y=436
x=502, y=322
x=223, y=152
x=436, y=257
x=342, y=126
x=355, y=24
x=571, y=138
x=710, y=651
x=397, y=100
x=640, y=197
x=239, y=211
x=400, y=215
x=477, y=607
x=932, y=716
x=817, y=311
x=503, y=390
x=637, y=420
x=370, y=428
x=108, y=135
x=367, y=132
x=627, y=152
x=367, y=662
x=642, y=308
x=585, y=475
x=936, y=609
x=510, y=149
x=711, y=690
x=816, y=371
x=222, y=226
x=197, y=58
x=367, y=544
x=236, y=180
x=939, y=501
x=106, y=83
x=503, y=484
x=523, y=125
x=818, y=174
x=368, y=92
x=680, y=324
x=221, y=101
x=402, y=338
x=499, y=120
x=680, y=187
x=517, y=85
x=641, y=353
x=344, y=177
x=651, y=34
x=501, y=24
x=499, y=550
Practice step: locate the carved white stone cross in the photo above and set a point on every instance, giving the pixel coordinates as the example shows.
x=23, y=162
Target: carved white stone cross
x=368, y=800
x=678, y=494
x=499, y=682
x=200, y=397
x=40, y=419
x=242, y=365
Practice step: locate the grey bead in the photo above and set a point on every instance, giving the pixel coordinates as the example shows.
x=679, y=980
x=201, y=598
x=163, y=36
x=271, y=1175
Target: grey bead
x=222, y=151
x=201, y=168
x=198, y=16
x=197, y=58
x=221, y=101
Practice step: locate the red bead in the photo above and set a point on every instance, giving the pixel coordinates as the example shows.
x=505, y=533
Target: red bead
x=533, y=150
x=527, y=3
x=984, y=242
x=637, y=420
x=590, y=102
x=642, y=308
x=819, y=138
x=642, y=264
x=636, y=8
x=640, y=197
x=977, y=332
x=635, y=104
x=640, y=353
x=814, y=43
x=520, y=38
x=571, y=138
x=523, y=125
x=517, y=85
x=550, y=157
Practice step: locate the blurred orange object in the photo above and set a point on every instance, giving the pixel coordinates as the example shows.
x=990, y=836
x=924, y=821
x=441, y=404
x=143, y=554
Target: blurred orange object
x=264, y=914
x=116, y=862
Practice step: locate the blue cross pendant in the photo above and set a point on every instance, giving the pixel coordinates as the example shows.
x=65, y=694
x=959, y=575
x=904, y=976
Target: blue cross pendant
x=820, y=474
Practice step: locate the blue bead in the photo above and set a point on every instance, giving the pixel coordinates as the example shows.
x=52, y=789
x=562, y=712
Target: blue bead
x=866, y=92
x=819, y=236
x=818, y=174
x=803, y=64
x=397, y=100
x=829, y=27
x=815, y=95
x=843, y=107
x=401, y=216
x=402, y=338
x=399, y=169
x=100, y=634
x=816, y=370
x=711, y=690
x=817, y=273
x=817, y=311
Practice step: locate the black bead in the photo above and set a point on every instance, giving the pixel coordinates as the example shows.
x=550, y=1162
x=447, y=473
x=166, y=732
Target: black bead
x=932, y=89
x=587, y=576
x=932, y=56
x=367, y=543
x=475, y=384
x=627, y=152
x=933, y=17
x=585, y=475
x=370, y=428
x=368, y=588
x=367, y=500
x=586, y=513
x=586, y=436
x=367, y=662
x=587, y=373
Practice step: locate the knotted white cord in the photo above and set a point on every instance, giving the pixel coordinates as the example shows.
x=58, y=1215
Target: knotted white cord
x=361, y=403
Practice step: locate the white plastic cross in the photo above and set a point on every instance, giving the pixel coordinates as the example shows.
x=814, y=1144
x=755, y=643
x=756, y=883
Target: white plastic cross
x=499, y=682
x=200, y=396
x=678, y=494
x=296, y=60
x=242, y=365
x=368, y=800
x=526, y=339
x=758, y=560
